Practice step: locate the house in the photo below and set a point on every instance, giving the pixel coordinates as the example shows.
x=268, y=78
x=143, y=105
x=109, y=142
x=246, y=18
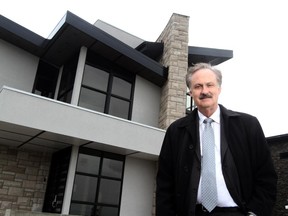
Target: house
x=84, y=112
x=279, y=150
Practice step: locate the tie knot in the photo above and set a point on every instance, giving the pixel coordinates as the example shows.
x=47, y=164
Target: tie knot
x=208, y=120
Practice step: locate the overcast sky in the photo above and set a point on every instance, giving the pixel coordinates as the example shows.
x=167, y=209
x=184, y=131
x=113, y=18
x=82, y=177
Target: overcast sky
x=254, y=81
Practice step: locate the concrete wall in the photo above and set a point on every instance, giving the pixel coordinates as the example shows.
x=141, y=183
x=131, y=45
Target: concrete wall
x=18, y=68
x=138, y=187
x=146, y=104
x=23, y=179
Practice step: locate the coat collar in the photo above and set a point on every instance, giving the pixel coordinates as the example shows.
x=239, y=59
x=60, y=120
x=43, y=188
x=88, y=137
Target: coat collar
x=191, y=123
x=193, y=118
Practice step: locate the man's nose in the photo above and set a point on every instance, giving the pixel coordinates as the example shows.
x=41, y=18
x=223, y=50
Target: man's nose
x=205, y=89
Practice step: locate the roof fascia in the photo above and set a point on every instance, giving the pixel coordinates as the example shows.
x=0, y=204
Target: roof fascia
x=217, y=55
x=114, y=43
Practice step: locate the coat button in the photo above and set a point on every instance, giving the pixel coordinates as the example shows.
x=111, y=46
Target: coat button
x=190, y=146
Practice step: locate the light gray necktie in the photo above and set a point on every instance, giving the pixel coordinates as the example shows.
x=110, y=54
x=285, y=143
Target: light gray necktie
x=209, y=188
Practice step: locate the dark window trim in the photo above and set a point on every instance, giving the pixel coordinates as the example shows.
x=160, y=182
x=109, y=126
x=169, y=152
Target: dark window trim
x=102, y=155
x=192, y=104
x=114, y=70
x=49, y=73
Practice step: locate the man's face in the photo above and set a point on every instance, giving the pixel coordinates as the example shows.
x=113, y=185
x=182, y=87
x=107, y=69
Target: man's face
x=205, y=89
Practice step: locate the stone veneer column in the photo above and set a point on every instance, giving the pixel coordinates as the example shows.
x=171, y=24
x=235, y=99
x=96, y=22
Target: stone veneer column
x=175, y=57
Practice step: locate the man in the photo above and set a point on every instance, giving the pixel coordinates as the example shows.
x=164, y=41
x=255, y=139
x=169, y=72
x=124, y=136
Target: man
x=245, y=179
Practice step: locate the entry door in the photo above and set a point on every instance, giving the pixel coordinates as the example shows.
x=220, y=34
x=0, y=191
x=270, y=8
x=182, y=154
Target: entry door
x=57, y=181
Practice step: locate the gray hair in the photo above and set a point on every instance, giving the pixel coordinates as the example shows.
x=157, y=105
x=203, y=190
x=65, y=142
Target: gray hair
x=198, y=66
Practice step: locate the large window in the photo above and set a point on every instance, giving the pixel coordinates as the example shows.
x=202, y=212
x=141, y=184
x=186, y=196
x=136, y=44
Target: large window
x=98, y=183
x=106, y=88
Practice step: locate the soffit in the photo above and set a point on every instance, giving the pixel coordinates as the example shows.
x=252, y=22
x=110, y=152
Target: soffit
x=22, y=137
x=208, y=55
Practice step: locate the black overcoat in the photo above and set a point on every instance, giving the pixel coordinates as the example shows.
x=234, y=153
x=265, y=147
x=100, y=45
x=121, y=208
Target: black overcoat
x=246, y=165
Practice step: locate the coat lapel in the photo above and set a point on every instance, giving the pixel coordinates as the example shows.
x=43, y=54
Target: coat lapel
x=192, y=126
x=224, y=144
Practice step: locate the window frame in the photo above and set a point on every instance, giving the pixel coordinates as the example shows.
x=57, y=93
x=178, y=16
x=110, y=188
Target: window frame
x=190, y=104
x=102, y=155
x=113, y=71
x=45, y=79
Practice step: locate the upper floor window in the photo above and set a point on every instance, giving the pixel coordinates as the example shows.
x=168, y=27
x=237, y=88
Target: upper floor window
x=45, y=80
x=67, y=80
x=106, y=88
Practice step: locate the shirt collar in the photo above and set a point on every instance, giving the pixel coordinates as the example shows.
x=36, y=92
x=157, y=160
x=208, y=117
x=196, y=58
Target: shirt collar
x=215, y=116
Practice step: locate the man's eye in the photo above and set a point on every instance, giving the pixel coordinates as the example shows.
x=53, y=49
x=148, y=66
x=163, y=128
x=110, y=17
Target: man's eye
x=210, y=84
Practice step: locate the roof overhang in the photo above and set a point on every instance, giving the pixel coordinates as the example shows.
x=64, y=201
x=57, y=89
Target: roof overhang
x=195, y=54
x=283, y=138
x=208, y=55
x=153, y=50
x=70, y=35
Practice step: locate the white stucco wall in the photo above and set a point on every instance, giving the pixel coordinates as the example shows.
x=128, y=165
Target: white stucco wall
x=18, y=68
x=146, y=104
x=138, y=187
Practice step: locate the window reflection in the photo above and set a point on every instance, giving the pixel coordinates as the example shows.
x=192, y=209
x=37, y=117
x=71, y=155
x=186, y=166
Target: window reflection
x=107, y=211
x=88, y=164
x=81, y=209
x=96, y=78
x=84, y=188
x=119, y=108
x=109, y=191
x=92, y=100
x=112, y=168
x=121, y=87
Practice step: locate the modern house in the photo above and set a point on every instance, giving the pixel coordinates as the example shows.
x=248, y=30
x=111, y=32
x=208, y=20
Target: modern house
x=83, y=114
